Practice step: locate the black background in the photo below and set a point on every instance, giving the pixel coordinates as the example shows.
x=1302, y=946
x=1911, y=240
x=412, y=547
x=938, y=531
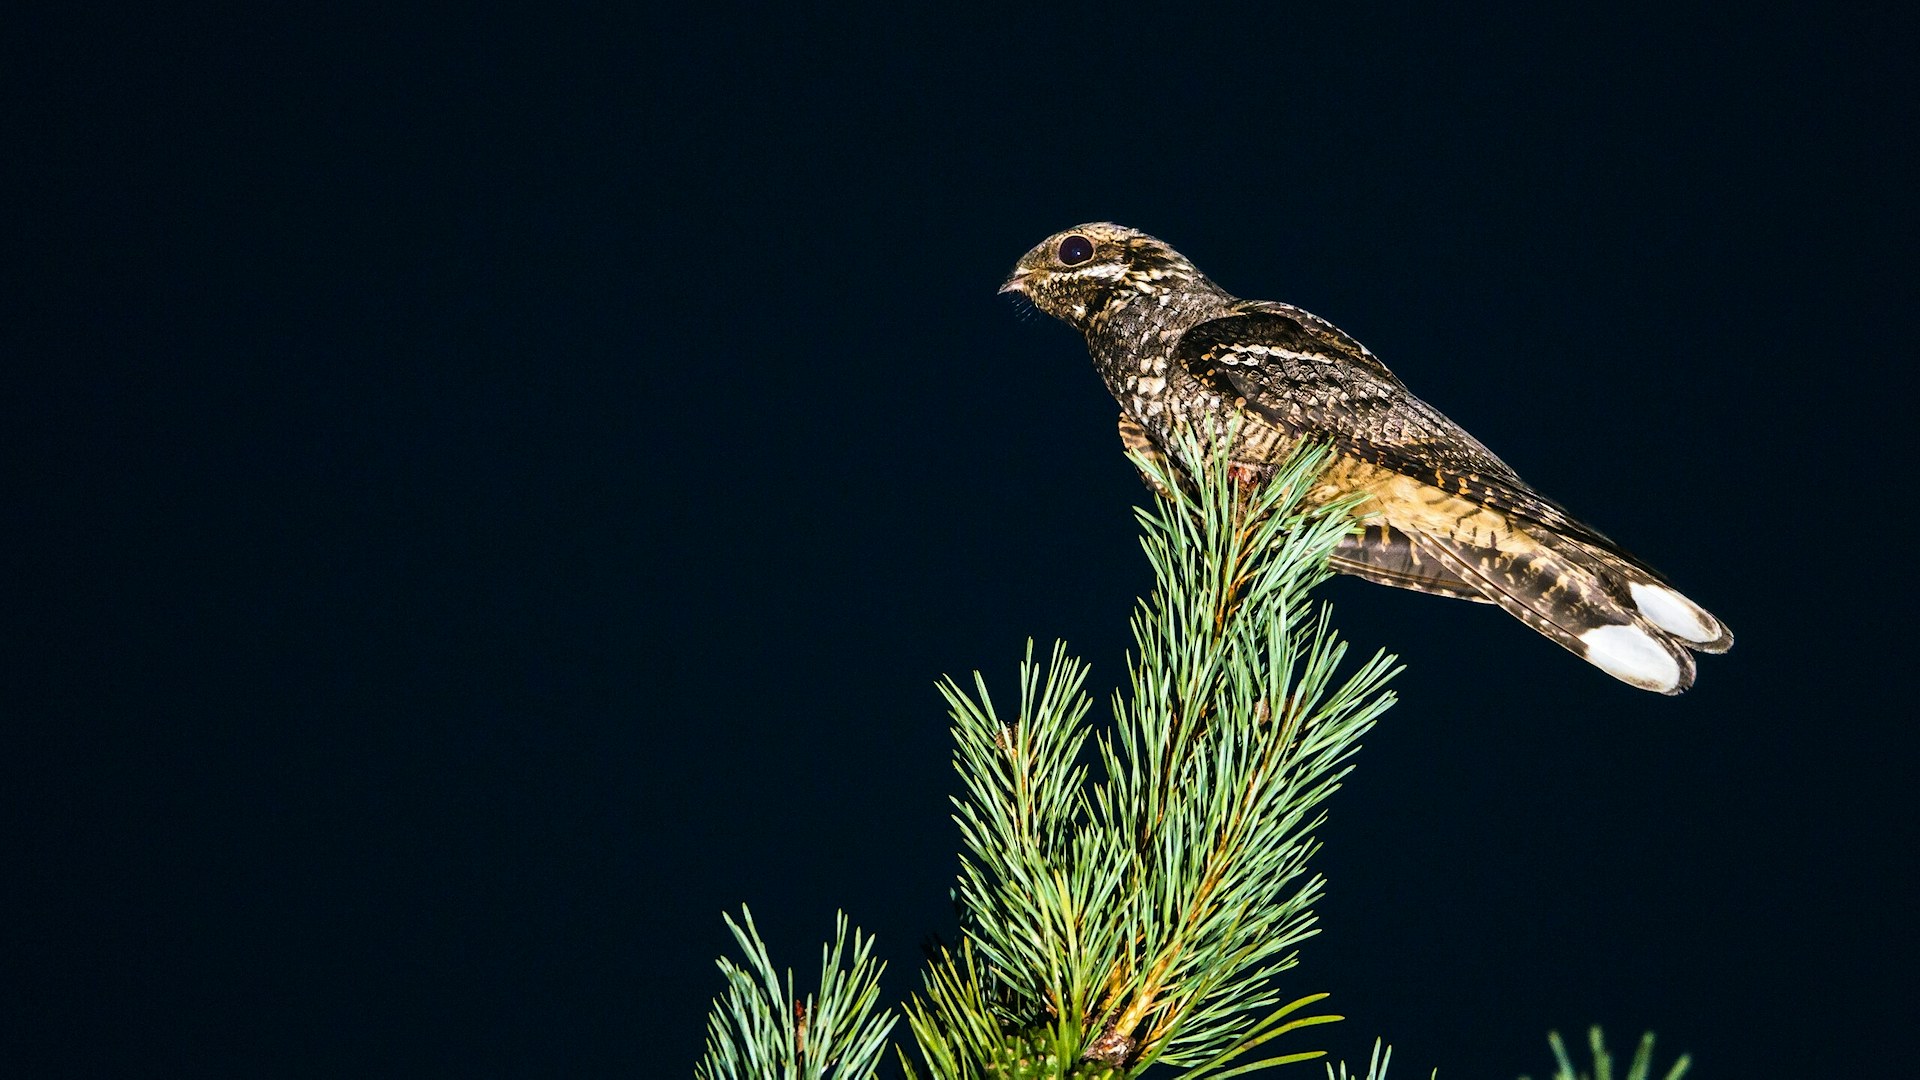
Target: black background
x=487, y=494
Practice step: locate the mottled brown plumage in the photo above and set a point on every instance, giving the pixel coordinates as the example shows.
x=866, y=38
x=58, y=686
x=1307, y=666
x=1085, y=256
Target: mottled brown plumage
x=1446, y=516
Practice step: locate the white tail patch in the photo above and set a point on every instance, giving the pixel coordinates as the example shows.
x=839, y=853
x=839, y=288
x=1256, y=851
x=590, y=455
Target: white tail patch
x=1631, y=655
x=1673, y=613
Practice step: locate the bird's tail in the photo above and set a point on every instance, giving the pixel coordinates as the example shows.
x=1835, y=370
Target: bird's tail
x=1599, y=603
x=1660, y=603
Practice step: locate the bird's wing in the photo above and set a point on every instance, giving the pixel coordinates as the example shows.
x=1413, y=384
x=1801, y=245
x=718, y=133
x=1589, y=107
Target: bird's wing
x=1303, y=375
x=1305, y=329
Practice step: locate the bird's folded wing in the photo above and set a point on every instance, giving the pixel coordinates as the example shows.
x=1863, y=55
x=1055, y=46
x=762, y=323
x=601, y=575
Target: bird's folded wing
x=1303, y=375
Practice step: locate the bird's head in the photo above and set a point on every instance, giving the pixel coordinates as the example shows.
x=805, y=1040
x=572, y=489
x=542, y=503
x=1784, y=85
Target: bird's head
x=1074, y=275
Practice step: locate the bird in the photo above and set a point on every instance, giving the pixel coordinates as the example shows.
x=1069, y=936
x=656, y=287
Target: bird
x=1438, y=512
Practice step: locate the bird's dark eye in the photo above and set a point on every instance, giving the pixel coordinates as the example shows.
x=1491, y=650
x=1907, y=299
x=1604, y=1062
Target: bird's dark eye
x=1075, y=250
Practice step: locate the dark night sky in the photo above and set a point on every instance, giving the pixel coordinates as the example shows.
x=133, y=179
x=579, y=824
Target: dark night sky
x=488, y=494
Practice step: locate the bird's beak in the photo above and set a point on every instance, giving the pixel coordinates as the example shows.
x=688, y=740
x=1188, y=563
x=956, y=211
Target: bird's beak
x=1016, y=283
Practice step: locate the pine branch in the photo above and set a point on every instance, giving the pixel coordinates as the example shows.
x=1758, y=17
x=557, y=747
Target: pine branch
x=760, y=1031
x=1142, y=919
x=1145, y=917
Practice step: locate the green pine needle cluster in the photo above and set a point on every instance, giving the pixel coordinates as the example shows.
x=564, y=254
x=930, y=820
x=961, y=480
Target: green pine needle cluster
x=760, y=1030
x=1141, y=918
x=1377, y=1064
x=1640, y=1069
